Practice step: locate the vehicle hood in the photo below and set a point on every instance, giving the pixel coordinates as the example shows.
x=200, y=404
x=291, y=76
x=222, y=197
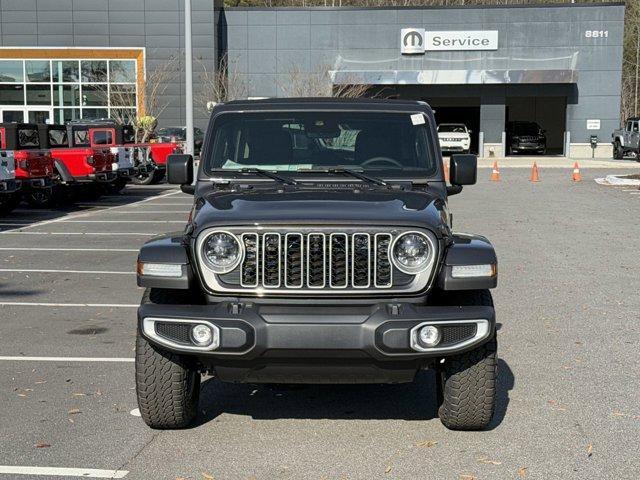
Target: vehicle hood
x=300, y=206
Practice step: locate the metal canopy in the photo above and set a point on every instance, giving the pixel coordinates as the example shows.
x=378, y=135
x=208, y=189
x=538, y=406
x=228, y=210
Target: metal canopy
x=451, y=77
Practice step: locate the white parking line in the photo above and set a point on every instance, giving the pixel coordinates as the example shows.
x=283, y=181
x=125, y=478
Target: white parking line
x=93, y=250
x=62, y=472
x=145, y=212
x=122, y=221
x=84, y=214
x=21, y=232
x=33, y=270
x=50, y=304
x=19, y=358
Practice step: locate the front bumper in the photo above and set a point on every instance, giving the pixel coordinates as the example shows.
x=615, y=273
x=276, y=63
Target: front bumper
x=43, y=182
x=252, y=335
x=127, y=172
x=103, y=176
x=528, y=147
x=10, y=186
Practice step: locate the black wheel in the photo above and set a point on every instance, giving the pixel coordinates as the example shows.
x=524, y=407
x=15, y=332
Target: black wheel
x=8, y=202
x=63, y=195
x=40, y=197
x=117, y=185
x=167, y=384
x=618, y=151
x=467, y=382
x=158, y=176
x=143, y=178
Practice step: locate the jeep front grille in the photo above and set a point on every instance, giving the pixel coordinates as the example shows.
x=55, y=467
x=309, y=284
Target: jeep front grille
x=317, y=261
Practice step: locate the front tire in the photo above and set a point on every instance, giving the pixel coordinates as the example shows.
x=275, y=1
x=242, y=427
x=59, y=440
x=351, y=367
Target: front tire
x=466, y=383
x=167, y=384
x=8, y=202
x=618, y=151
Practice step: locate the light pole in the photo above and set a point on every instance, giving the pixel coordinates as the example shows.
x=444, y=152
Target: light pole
x=188, y=76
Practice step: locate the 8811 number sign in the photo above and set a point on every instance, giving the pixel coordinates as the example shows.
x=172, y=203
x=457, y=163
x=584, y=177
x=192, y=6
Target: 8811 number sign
x=596, y=33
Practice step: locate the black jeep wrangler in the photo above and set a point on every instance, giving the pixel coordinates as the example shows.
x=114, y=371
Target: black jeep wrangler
x=319, y=250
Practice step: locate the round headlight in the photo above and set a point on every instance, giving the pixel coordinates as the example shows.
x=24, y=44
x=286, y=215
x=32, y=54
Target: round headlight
x=411, y=252
x=222, y=252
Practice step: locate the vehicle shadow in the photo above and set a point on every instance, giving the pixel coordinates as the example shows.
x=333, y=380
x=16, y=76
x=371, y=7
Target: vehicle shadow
x=409, y=401
x=25, y=215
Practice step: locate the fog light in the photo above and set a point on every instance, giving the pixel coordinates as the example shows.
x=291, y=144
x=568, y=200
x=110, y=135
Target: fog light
x=202, y=335
x=429, y=336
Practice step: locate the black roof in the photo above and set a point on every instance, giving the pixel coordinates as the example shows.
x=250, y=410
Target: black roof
x=312, y=103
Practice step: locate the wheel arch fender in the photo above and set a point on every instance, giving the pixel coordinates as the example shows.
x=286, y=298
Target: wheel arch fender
x=467, y=250
x=63, y=171
x=168, y=249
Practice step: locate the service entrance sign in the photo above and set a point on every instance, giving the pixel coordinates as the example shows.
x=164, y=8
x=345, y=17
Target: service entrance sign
x=418, y=40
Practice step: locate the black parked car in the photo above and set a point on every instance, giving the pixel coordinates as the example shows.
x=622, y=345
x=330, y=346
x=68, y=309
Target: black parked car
x=320, y=250
x=526, y=137
x=168, y=134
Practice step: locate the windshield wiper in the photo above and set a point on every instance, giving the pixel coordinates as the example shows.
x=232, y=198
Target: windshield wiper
x=268, y=174
x=358, y=175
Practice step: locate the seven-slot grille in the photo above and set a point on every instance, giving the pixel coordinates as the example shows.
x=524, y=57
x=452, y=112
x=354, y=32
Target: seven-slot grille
x=316, y=260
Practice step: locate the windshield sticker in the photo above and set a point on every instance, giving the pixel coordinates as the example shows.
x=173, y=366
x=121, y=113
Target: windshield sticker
x=417, y=119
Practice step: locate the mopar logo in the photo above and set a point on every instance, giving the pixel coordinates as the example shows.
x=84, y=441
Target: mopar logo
x=418, y=40
x=412, y=40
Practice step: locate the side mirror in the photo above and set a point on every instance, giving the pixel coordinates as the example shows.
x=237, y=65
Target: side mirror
x=463, y=169
x=180, y=169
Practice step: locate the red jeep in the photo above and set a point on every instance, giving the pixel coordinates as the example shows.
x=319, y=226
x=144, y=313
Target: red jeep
x=33, y=164
x=157, y=158
x=130, y=158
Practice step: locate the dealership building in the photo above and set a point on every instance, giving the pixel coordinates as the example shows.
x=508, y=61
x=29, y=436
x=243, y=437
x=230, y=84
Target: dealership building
x=557, y=65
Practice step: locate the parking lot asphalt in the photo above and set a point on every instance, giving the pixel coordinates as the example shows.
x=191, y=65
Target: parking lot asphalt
x=567, y=306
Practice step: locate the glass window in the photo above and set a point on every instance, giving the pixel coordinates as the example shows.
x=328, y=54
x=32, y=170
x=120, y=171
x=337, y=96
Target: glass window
x=58, y=137
x=94, y=95
x=370, y=141
x=38, y=95
x=102, y=137
x=64, y=115
x=13, y=116
x=11, y=94
x=81, y=138
x=38, y=70
x=122, y=71
x=123, y=115
x=123, y=95
x=11, y=71
x=94, y=113
x=39, y=116
x=65, y=71
x=28, y=137
x=66, y=95
x=94, y=71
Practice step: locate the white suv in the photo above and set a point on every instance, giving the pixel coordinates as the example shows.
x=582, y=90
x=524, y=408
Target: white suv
x=454, y=137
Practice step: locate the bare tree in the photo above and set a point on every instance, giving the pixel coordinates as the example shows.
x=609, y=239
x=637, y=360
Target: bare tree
x=122, y=99
x=220, y=85
x=299, y=83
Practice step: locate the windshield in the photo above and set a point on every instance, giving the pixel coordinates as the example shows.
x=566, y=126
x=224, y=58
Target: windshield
x=298, y=141
x=451, y=128
x=172, y=132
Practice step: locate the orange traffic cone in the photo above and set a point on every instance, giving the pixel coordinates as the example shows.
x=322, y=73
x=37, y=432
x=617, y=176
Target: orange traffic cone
x=495, y=173
x=535, y=176
x=446, y=171
x=576, y=177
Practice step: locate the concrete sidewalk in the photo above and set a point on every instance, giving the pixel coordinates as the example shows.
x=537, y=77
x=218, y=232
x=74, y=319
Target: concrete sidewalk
x=557, y=162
